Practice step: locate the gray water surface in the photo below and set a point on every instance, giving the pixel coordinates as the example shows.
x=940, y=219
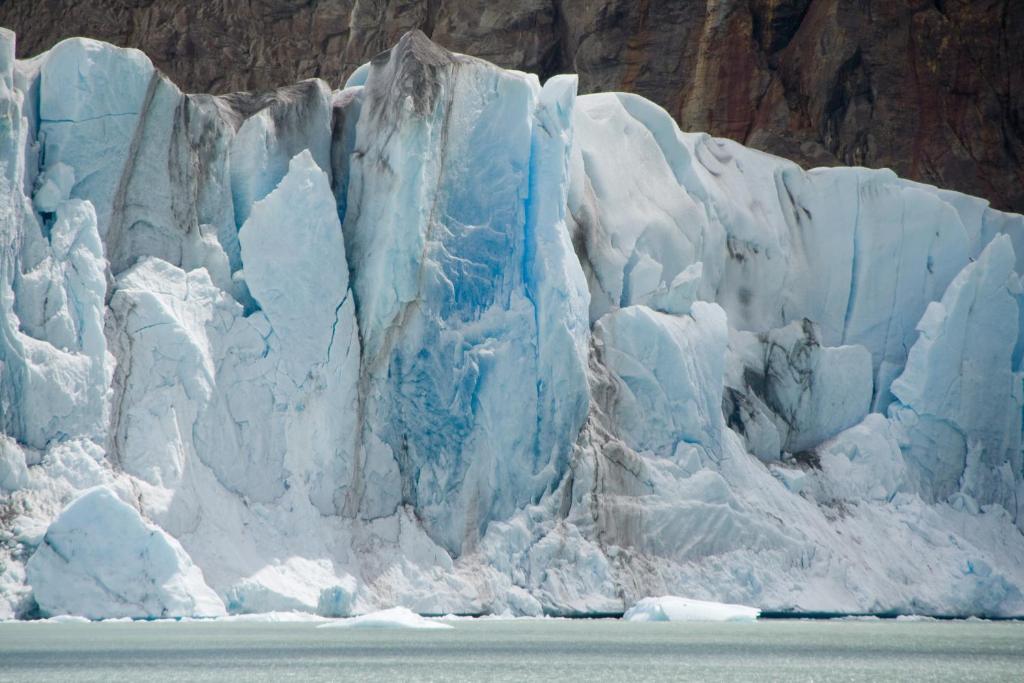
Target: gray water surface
x=557, y=650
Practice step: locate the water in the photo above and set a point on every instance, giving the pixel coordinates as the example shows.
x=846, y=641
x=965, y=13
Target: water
x=558, y=650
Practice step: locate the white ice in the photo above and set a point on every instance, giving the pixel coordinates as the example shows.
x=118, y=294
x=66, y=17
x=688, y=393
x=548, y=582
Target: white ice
x=674, y=608
x=394, y=618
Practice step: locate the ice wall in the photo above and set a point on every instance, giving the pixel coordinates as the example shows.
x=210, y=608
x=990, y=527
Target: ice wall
x=453, y=340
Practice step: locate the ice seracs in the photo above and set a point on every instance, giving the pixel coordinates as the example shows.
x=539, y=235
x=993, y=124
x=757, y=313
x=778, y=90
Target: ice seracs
x=466, y=290
x=453, y=340
x=960, y=397
x=670, y=372
x=786, y=393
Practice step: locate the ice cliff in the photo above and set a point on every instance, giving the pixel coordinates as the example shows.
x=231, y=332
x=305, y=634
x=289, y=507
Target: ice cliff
x=451, y=340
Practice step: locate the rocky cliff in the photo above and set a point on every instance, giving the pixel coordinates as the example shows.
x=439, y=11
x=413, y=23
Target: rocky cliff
x=933, y=89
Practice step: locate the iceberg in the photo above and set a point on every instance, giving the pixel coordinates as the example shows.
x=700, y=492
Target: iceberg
x=274, y=618
x=456, y=341
x=674, y=608
x=394, y=618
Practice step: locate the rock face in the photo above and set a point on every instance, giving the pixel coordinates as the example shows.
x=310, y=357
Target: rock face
x=457, y=341
x=933, y=90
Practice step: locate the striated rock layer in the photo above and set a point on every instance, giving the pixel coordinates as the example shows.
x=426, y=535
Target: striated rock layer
x=450, y=340
x=933, y=90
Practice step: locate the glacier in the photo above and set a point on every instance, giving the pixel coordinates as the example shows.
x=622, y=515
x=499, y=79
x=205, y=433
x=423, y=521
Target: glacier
x=451, y=340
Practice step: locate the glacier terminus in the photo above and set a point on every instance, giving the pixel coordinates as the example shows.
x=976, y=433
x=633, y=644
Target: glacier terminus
x=452, y=340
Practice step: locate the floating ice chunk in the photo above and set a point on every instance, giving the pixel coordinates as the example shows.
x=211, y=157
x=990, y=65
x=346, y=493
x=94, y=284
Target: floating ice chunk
x=337, y=600
x=294, y=585
x=914, y=617
x=274, y=618
x=673, y=608
x=100, y=559
x=66, y=619
x=394, y=618
x=59, y=619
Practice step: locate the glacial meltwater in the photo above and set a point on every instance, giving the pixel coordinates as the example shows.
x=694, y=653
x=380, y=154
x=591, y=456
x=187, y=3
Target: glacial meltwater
x=541, y=649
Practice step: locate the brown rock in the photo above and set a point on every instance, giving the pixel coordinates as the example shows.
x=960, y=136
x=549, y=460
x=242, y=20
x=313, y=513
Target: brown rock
x=931, y=88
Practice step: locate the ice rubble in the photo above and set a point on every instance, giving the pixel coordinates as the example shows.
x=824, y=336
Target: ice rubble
x=452, y=340
x=674, y=608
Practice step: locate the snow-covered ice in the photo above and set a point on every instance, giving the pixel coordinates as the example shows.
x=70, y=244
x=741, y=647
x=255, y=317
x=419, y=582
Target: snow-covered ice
x=452, y=340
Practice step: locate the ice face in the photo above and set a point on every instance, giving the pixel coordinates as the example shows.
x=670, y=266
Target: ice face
x=192, y=349
x=467, y=290
x=54, y=367
x=775, y=244
x=788, y=393
x=449, y=340
x=959, y=398
x=273, y=129
x=670, y=372
x=91, y=125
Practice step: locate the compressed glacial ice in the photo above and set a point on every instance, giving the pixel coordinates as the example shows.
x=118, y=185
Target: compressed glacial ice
x=90, y=99
x=674, y=608
x=670, y=372
x=959, y=398
x=788, y=393
x=468, y=291
x=454, y=341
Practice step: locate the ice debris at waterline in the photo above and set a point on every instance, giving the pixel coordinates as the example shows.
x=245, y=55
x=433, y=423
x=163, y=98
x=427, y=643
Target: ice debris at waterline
x=674, y=608
x=451, y=340
x=396, y=617
x=99, y=559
